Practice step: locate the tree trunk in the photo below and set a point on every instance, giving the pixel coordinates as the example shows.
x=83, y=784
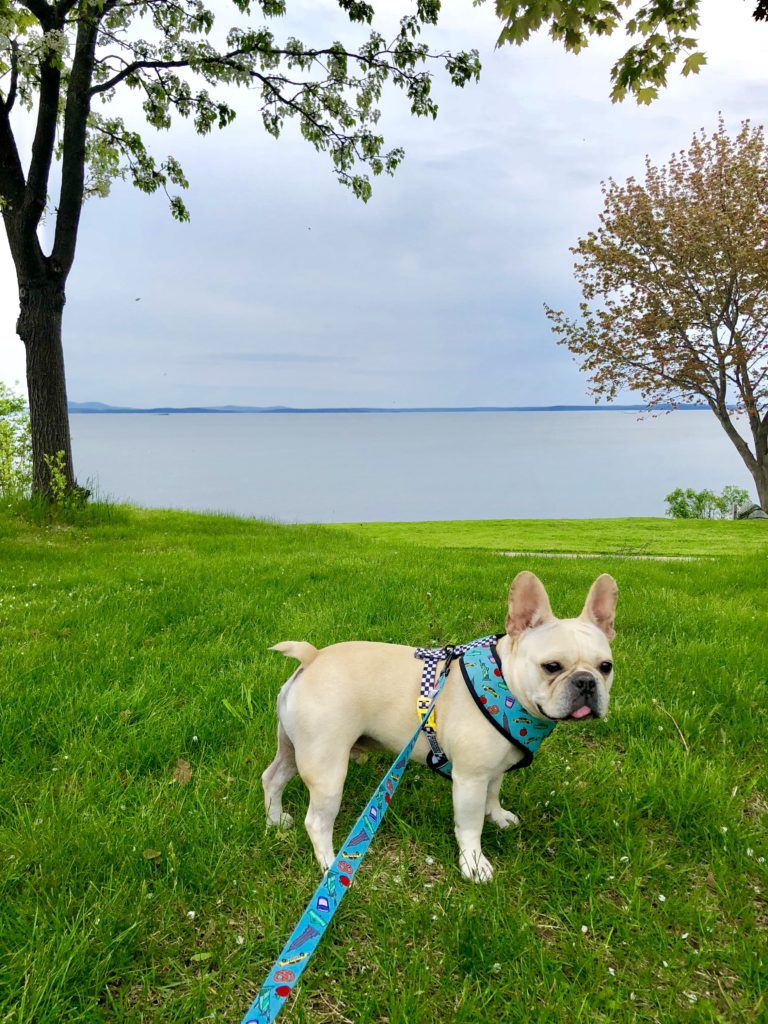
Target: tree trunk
x=760, y=476
x=39, y=327
x=756, y=463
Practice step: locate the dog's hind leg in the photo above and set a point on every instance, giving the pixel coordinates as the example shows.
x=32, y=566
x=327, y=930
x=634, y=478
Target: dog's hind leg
x=276, y=777
x=325, y=788
x=493, y=809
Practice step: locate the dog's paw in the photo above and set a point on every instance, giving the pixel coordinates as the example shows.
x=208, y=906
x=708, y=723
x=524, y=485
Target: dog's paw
x=502, y=818
x=326, y=862
x=476, y=867
x=284, y=821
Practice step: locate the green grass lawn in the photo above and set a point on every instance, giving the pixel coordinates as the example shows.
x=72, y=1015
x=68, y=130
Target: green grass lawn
x=622, y=537
x=138, y=882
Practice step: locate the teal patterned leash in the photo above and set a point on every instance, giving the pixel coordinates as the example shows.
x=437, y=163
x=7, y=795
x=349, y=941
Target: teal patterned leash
x=306, y=936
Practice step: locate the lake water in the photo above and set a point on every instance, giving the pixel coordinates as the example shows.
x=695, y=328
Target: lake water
x=344, y=467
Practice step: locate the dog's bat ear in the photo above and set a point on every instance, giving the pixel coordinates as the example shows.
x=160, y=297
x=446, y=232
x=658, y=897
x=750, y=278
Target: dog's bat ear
x=600, y=606
x=528, y=604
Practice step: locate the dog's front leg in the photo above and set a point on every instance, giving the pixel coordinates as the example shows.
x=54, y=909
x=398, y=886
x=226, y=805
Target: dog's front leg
x=493, y=809
x=469, y=795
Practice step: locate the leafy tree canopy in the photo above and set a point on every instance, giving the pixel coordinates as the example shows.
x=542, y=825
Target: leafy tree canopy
x=665, y=31
x=173, y=56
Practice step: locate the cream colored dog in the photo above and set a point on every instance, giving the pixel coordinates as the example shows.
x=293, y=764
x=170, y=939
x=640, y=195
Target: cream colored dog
x=360, y=696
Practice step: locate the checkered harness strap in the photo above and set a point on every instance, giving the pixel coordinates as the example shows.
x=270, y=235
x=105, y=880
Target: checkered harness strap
x=432, y=656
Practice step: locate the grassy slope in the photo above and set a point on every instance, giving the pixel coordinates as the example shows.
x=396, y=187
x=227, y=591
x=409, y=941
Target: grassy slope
x=130, y=644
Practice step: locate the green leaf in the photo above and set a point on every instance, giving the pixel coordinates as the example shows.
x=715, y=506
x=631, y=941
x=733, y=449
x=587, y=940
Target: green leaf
x=693, y=63
x=646, y=95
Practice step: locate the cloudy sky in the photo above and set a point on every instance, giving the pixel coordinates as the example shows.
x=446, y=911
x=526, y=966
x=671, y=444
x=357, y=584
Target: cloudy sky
x=284, y=289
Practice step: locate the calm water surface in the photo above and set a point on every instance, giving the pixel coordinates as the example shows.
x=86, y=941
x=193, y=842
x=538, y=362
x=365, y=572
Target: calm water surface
x=407, y=466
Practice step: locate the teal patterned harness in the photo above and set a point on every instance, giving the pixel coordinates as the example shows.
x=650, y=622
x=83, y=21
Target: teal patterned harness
x=481, y=671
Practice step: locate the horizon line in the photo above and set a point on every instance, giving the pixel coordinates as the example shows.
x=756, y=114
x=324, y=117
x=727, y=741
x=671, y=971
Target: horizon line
x=97, y=408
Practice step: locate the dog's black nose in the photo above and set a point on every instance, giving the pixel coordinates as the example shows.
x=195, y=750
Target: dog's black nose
x=584, y=682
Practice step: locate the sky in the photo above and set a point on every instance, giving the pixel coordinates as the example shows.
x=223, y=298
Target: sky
x=286, y=290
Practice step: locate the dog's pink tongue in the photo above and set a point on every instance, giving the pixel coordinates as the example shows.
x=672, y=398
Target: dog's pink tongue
x=581, y=712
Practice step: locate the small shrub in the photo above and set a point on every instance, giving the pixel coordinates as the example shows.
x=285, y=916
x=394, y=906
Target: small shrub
x=64, y=503
x=15, y=445
x=690, y=504
x=64, y=499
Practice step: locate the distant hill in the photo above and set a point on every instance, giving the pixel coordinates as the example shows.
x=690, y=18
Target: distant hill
x=101, y=407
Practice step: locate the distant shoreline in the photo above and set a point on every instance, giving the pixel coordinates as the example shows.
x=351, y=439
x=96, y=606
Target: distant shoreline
x=99, y=408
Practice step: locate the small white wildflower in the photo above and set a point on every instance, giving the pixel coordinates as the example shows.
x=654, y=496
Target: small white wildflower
x=624, y=860
x=723, y=829
x=661, y=728
x=434, y=917
x=191, y=915
x=239, y=940
x=195, y=739
x=684, y=935
x=584, y=929
x=750, y=851
x=496, y=968
x=612, y=972
x=429, y=860
x=691, y=997
x=665, y=963
x=662, y=898
x=761, y=860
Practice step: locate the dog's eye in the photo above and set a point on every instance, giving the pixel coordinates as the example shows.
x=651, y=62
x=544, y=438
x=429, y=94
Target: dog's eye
x=553, y=667
x=605, y=667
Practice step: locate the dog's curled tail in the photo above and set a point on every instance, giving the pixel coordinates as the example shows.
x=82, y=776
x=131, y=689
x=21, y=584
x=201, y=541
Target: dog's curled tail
x=298, y=649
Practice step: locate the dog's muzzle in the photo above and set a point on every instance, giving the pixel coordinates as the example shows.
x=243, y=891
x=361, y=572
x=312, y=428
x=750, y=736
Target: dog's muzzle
x=584, y=695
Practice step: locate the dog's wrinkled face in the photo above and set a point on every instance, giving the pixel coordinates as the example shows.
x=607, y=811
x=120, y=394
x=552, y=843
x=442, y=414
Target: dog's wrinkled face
x=565, y=670
x=562, y=668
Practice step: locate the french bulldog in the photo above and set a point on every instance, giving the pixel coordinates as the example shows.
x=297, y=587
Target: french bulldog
x=357, y=696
